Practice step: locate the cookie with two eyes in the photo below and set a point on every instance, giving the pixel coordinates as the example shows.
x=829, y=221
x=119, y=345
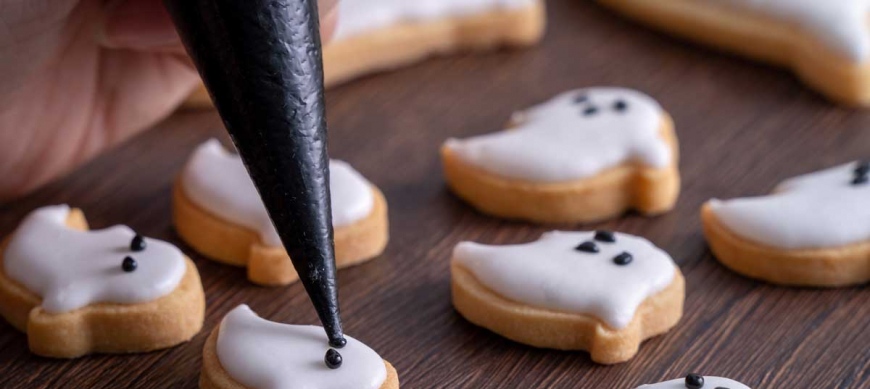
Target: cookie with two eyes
x=696, y=381
x=217, y=211
x=248, y=352
x=584, y=156
x=826, y=43
x=76, y=292
x=813, y=230
x=602, y=292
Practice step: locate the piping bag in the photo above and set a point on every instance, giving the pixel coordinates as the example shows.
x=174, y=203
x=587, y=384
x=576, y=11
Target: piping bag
x=261, y=63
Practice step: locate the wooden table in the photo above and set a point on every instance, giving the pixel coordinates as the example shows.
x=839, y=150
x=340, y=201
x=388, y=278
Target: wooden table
x=743, y=127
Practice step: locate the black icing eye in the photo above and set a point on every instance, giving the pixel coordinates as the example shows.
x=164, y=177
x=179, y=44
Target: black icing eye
x=129, y=264
x=623, y=259
x=694, y=381
x=605, y=236
x=580, y=99
x=332, y=359
x=137, y=243
x=589, y=111
x=587, y=247
x=620, y=106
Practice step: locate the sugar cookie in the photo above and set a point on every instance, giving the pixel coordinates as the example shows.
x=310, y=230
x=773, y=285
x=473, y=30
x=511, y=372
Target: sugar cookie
x=76, y=292
x=600, y=291
x=379, y=35
x=827, y=43
x=814, y=230
x=218, y=212
x=695, y=381
x=248, y=352
x=584, y=156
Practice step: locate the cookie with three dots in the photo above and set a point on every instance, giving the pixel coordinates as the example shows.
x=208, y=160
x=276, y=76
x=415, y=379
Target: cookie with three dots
x=602, y=292
x=696, y=381
x=584, y=156
x=813, y=230
x=217, y=211
x=248, y=352
x=76, y=292
x=825, y=42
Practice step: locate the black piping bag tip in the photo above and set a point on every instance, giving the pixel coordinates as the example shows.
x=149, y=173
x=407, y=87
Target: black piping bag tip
x=261, y=63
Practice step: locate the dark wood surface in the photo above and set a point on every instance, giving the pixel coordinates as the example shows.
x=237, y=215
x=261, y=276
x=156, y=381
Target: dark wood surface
x=742, y=126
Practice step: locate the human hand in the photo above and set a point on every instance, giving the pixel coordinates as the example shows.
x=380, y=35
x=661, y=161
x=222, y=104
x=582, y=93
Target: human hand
x=79, y=76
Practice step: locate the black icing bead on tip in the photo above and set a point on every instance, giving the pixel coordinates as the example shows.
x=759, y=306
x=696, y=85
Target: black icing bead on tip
x=587, y=247
x=623, y=259
x=620, y=106
x=338, y=343
x=605, y=236
x=863, y=168
x=137, y=243
x=589, y=111
x=694, y=381
x=129, y=265
x=861, y=179
x=332, y=359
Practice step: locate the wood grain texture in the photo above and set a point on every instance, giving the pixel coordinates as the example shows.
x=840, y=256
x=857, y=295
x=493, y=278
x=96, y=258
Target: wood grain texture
x=742, y=126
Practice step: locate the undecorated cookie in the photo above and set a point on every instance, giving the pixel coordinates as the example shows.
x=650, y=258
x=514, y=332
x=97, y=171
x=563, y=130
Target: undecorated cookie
x=826, y=42
x=218, y=212
x=813, y=230
x=585, y=156
x=695, y=381
x=378, y=35
x=248, y=352
x=602, y=292
x=77, y=292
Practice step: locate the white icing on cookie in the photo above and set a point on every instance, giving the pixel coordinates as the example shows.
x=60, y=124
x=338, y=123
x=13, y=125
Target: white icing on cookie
x=261, y=354
x=551, y=273
x=562, y=140
x=70, y=269
x=709, y=382
x=356, y=17
x=217, y=181
x=817, y=210
x=840, y=24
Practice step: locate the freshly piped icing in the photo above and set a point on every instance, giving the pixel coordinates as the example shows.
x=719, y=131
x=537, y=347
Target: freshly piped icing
x=817, y=210
x=555, y=273
x=356, y=17
x=573, y=136
x=709, y=383
x=261, y=354
x=217, y=181
x=840, y=24
x=70, y=269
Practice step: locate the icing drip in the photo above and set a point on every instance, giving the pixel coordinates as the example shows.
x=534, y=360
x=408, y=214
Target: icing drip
x=573, y=136
x=216, y=180
x=817, y=210
x=70, y=269
x=261, y=354
x=551, y=273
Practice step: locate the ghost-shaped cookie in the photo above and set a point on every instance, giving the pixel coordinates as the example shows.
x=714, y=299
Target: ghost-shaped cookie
x=56, y=274
x=583, y=156
x=255, y=353
x=695, y=381
x=568, y=289
x=813, y=230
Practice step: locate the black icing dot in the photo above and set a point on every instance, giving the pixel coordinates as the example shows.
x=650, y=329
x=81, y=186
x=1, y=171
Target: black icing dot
x=589, y=111
x=129, y=264
x=338, y=343
x=580, y=99
x=722, y=387
x=587, y=247
x=623, y=259
x=694, y=381
x=138, y=243
x=860, y=179
x=620, y=106
x=332, y=359
x=863, y=168
x=605, y=236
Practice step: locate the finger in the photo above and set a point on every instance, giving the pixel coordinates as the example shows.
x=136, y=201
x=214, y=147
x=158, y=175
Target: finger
x=146, y=25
